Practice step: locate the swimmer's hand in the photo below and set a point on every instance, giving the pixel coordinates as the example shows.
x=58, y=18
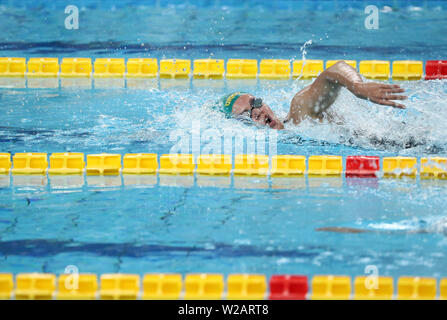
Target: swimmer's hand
x=380, y=93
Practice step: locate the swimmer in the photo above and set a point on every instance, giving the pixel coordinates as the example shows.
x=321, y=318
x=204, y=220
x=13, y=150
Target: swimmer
x=314, y=100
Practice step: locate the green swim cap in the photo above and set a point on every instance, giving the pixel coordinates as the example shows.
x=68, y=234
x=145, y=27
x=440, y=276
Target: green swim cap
x=225, y=104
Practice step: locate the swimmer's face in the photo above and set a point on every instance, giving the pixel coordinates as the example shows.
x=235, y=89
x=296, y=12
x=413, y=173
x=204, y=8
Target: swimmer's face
x=263, y=115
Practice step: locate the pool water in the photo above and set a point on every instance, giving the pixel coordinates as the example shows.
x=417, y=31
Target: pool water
x=233, y=225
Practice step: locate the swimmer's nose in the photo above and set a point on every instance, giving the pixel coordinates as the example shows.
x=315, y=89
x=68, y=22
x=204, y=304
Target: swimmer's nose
x=257, y=113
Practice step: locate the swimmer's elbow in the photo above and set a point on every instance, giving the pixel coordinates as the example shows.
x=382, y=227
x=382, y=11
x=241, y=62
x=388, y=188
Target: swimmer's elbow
x=335, y=68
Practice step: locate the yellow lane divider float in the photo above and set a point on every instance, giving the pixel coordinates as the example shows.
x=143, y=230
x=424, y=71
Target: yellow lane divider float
x=375, y=69
x=380, y=288
x=242, y=69
x=109, y=68
x=325, y=166
x=331, y=287
x=12, y=67
x=204, y=287
x=307, y=69
x=246, y=286
x=163, y=286
x=119, y=287
x=214, y=164
x=407, y=70
x=30, y=163
x=177, y=164
x=5, y=163
x=399, y=167
x=43, y=72
x=78, y=287
x=43, y=68
x=285, y=165
x=76, y=68
x=251, y=165
x=411, y=288
x=67, y=163
x=142, y=68
x=35, y=286
x=435, y=167
x=218, y=164
x=103, y=164
x=140, y=163
x=111, y=72
x=271, y=69
x=43, y=286
x=209, y=69
x=175, y=69
x=12, y=72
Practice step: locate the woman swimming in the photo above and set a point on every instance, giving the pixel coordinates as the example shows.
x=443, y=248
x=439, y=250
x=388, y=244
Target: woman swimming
x=314, y=100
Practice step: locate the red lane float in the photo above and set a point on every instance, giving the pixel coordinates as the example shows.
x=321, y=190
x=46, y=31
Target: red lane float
x=362, y=166
x=436, y=69
x=288, y=287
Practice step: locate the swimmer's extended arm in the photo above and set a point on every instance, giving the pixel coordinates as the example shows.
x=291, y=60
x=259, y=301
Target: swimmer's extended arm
x=314, y=99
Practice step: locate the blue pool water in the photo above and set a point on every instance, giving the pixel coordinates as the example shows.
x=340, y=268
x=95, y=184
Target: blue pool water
x=260, y=225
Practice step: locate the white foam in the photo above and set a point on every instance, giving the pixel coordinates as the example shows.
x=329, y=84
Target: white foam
x=420, y=129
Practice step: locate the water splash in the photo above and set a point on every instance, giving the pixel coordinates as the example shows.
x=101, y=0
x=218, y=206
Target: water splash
x=303, y=50
x=418, y=130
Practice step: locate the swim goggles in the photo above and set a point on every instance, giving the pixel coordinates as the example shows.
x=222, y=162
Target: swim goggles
x=254, y=104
